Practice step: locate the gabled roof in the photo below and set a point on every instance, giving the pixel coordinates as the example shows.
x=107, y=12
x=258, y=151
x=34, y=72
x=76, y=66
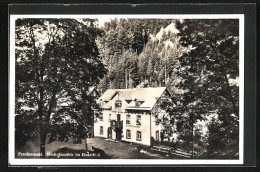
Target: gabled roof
x=148, y=96
x=91, y=89
x=107, y=95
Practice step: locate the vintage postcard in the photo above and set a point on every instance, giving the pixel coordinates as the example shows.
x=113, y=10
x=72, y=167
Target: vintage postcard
x=126, y=89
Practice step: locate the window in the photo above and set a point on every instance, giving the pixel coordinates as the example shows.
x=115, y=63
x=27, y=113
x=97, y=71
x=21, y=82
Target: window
x=101, y=129
x=128, y=134
x=109, y=117
x=118, y=103
x=138, y=135
x=128, y=121
x=101, y=116
x=138, y=120
x=157, y=135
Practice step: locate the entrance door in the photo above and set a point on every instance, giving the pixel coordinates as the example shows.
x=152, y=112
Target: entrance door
x=118, y=117
x=109, y=132
x=118, y=134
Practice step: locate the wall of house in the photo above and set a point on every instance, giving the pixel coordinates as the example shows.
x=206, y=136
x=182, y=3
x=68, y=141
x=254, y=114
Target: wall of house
x=104, y=123
x=155, y=127
x=144, y=128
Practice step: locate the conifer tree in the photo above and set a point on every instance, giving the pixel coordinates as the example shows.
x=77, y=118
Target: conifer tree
x=206, y=74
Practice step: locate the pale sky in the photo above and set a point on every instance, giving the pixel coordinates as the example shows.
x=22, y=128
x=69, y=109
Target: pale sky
x=103, y=19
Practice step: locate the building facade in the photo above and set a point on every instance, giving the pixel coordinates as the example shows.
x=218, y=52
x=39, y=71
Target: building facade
x=131, y=114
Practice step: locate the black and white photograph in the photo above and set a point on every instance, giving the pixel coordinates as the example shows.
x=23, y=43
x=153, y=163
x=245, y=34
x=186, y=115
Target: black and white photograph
x=133, y=88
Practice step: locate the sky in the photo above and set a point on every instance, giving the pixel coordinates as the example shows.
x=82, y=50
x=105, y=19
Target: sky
x=103, y=19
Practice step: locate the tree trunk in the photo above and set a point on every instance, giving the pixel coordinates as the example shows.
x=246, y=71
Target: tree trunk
x=43, y=129
x=125, y=78
x=165, y=76
x=235, y=110
x=192, y=132
x=234, y=107
x=40, y=113
x=43, y=136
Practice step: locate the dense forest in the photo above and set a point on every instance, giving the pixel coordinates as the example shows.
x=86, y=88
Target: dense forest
x=140, y=53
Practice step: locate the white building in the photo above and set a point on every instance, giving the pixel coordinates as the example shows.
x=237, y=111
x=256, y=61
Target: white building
x=130, y=114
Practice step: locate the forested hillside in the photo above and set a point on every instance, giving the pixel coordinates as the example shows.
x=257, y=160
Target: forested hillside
x=139, y=52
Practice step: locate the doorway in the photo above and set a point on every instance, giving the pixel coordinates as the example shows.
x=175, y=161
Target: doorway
x=118, y=134
x=109, y=132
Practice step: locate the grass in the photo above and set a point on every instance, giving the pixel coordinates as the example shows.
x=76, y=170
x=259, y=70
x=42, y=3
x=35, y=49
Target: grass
x=113, y=150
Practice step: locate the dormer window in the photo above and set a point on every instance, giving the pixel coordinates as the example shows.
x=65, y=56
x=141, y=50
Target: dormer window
x=118, y=103
x=138, y=103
